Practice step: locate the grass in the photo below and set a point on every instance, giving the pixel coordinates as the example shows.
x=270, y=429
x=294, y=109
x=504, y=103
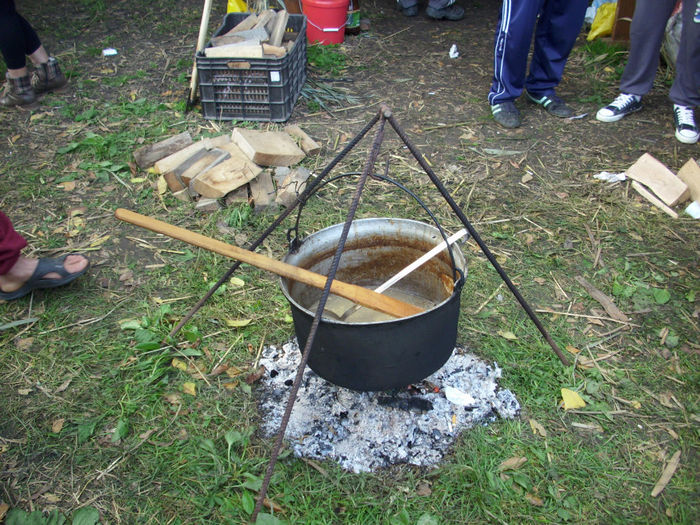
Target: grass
x=106, y=418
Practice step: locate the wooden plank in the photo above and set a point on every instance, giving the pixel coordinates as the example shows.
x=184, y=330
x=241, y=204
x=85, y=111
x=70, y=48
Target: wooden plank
x=659, y=179
x=644, y=192
x=147, y=156
x=690, y=174
x=307, y=144
x=278, y=28
x=268, y=148
x=264, y=18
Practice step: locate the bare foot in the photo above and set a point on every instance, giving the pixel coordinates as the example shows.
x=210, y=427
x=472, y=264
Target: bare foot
x=24, y=269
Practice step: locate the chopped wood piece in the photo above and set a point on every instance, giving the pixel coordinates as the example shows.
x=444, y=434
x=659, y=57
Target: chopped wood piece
x=308, y=145
x=200, y=162
x=690, y=174
x=659, y=179
x=247, y=49
x=292, y=186
x=225, y=177
x=264, y=18
x=237, y=196
x=245, y=24
x=262, y=191
x=276, y=51
x=183, y=195
x=147, y=156
x=278, y=27
x=205, y=204
x=268, y=148
x=644, y=192
x=258, y=34
x=605, y=301
x=171, y=162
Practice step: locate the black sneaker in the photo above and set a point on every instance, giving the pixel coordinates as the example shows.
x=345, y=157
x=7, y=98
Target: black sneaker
x=451, y=12
x=623, y=105
x=684, y=120
x=553, y=104
x=506, y=114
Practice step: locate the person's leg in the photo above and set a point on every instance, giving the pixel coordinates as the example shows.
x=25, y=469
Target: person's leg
x=11, y=244
x=557, y=30
x=512, y=43
x=685, y=91
x=19, y=275
x=646, y=34
x=17, y=40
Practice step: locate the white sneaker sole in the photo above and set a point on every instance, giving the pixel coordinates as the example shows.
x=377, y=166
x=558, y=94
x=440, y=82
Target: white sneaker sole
x=612, y=118
x=686, y=140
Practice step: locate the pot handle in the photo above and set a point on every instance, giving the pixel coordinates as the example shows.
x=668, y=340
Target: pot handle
x=293, y=232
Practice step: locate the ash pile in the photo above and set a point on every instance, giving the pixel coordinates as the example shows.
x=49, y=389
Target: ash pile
x=364, y=431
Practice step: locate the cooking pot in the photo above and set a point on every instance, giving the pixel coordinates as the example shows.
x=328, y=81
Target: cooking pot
x=373, y=353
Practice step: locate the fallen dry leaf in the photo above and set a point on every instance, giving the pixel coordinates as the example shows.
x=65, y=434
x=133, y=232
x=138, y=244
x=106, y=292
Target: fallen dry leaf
x=506, y=334
x=24, y=343
x=179, y=364
x=217, y=371
x=51, y=498
x=255, y=376
x=69, y=185
x=231, y=385
x=272, y=506
x=537, y=428
x=534, y=500
x=423, y=489
x=571, y=399
x=667, y=474
x=57, y=425
x=512, y=463
x=189, y=388
x=4, y=507
x=173, y=398
x=63, y=386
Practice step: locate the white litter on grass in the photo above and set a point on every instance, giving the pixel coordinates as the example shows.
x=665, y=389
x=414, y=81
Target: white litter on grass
x=108, y=52
x=610, y=177
x=453, y=51
x=363, y=431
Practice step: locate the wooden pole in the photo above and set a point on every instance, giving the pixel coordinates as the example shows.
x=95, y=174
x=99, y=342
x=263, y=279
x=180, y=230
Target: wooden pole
x=201, y=41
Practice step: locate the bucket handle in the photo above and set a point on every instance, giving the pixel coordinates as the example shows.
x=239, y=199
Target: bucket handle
x=293, y=232
x=326, y=29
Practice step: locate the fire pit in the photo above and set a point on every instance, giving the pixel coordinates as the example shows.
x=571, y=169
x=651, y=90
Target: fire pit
x=364, y=431
x=371, y=352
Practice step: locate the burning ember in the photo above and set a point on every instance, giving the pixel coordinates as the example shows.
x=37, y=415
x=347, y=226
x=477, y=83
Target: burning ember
x=364, y=431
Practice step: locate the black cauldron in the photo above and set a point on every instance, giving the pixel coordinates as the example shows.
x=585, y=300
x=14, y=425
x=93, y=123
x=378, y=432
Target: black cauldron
x=385, y=354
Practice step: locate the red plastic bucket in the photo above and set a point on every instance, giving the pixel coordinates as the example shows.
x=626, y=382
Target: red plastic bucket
x=325, y=20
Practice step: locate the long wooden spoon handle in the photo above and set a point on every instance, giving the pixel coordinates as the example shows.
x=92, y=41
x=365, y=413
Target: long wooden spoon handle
x=357, y=294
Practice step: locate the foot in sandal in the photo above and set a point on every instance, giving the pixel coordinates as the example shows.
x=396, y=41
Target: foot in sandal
x=28, y=274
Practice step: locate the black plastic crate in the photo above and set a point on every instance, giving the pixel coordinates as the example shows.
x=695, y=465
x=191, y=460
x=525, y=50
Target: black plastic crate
x=253, y=88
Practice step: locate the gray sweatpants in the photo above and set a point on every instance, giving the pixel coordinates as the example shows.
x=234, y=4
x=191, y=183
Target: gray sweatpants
x=435, y=4
x=646, y=35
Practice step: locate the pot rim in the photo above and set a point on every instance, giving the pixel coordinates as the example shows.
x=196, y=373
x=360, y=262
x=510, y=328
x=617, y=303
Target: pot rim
x=457, y=289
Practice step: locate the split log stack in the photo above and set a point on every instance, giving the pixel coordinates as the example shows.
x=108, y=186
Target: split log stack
x=257, y=36
x=258, y=167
